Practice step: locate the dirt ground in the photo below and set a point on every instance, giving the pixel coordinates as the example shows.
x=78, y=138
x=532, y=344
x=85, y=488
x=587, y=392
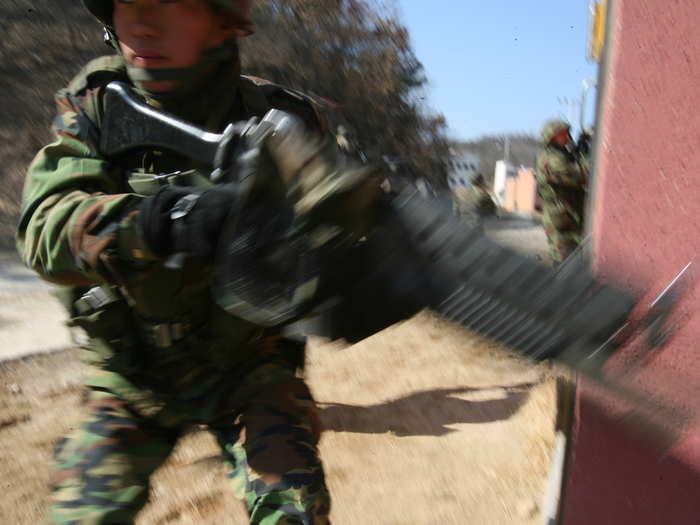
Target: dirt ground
x=425, y=423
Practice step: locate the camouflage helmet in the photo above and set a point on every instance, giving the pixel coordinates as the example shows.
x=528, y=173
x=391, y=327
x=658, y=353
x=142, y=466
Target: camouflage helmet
x=241, y=9
x=552, y=127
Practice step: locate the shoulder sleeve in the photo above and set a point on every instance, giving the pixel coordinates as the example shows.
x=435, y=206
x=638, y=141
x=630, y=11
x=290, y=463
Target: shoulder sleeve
x=72, y=203
x=312, y=110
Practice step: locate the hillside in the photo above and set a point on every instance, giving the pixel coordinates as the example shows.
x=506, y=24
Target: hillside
x=45, y=43
x=523, y=150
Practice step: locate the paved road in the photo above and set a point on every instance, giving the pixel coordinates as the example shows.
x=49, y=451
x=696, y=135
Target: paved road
x=14, y=276
x=521, y=234
x=31, y=320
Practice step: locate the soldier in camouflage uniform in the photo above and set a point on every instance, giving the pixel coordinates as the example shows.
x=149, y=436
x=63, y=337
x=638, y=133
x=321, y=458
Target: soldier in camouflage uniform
x=483, y=202
x=561, y=185
x=161, y=355
x=476, y=203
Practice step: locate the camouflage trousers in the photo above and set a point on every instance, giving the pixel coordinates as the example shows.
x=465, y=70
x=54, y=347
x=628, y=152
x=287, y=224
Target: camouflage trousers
x=268, y=439
x=564, y=232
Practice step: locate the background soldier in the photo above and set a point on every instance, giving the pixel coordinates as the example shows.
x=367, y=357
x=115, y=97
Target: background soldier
x=483, y=200
x=162, y=356
x=561, y=184
x=477, y=202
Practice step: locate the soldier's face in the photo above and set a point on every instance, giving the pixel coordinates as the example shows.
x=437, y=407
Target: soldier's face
x=163, y=34
x=562, y=137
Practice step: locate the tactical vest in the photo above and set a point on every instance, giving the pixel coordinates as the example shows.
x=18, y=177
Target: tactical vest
x=175, y=302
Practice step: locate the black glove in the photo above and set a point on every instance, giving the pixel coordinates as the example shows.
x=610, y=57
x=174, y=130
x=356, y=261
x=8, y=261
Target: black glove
x=182, y=219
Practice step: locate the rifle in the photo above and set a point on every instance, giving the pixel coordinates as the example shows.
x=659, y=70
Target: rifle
x=418, y=255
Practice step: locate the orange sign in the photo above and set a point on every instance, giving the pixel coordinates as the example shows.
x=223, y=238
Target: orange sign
x=596, y=41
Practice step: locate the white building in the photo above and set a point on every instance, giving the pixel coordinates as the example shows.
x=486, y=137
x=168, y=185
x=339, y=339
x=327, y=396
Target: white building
x=502, y=171
x=461, y=167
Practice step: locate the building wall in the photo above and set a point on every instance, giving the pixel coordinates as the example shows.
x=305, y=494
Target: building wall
x=521, y=192
x=645, y=229
x=461, y=167
x=502, y=171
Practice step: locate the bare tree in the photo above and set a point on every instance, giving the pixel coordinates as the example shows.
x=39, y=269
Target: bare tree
x=350, y=51
x=357, y=54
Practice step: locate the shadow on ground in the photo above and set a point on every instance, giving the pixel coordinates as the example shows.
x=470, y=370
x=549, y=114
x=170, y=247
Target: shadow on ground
x=426, y=413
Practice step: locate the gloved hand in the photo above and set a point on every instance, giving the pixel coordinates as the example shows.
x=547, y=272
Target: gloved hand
x=182, y=219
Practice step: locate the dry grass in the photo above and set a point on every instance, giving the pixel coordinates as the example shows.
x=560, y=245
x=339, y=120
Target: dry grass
x=44, y=44
x=425, y=423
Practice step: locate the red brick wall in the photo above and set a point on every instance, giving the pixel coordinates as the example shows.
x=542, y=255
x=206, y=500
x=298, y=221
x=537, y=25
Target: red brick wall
x=645, y=229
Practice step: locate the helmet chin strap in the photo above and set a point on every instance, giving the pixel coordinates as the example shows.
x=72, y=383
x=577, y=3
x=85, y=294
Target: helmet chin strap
x=209, y=58
x=186, y=79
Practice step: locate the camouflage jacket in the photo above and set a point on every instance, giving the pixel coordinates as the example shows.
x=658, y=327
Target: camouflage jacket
x=477, y=199
x=558, y=171
x=78, y=226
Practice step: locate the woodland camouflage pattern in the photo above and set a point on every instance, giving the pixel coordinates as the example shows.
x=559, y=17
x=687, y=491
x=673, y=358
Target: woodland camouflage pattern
x=561, y=184
x=102, y=10
x=78, y=230
x=268, y=435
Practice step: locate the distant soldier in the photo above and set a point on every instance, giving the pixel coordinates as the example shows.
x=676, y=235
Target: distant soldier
x=484, y=204
x=477, y=203
x=561, y=184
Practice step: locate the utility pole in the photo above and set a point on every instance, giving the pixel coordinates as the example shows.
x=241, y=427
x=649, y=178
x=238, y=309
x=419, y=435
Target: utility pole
x=587, y=84
x=571, y=105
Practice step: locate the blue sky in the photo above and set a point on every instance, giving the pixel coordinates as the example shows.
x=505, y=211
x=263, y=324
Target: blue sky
x=498, y=66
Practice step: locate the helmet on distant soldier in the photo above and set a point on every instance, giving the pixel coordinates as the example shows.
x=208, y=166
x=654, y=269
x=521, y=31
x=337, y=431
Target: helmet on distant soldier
x=552, y=127
x=241, y=9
